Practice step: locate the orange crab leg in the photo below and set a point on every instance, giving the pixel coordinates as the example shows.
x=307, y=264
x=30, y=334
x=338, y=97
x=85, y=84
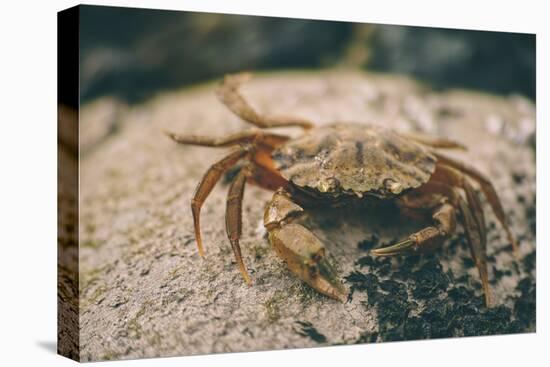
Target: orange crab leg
x=432, y=141
x=428, y=238
x=228, y=93
x=488, y=190
x=205, y=186
x=453, y=177
x=433, y=236
x=242, y=137
x=246, y=139
x=233, y=217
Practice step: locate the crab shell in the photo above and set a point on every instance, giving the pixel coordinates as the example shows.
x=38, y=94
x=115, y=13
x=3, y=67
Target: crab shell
x=354, y=159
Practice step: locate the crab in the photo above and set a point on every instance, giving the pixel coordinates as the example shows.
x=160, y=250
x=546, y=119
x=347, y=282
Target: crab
x=337, y=164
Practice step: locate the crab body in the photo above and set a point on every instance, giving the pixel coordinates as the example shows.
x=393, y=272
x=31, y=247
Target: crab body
x=343, y=163
x=354, y=159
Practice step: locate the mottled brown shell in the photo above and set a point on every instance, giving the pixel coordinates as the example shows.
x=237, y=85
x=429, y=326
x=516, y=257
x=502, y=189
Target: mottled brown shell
x=355, y=159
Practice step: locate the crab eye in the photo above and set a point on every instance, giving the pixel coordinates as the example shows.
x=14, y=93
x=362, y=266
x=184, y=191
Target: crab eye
x=392, y=185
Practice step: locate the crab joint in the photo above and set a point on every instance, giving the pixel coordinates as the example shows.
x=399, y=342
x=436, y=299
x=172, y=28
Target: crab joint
x=280, y=210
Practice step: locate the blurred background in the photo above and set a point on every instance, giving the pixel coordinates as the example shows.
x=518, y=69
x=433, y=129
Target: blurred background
x=133, y=54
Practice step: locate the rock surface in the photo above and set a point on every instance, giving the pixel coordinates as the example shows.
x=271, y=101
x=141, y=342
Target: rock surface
x=145, y=292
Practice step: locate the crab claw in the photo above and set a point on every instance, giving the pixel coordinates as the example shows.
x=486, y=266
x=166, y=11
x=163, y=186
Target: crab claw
x=305, y=256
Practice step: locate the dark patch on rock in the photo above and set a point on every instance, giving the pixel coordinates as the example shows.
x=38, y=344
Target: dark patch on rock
x=367, y=337
x=525, y=304
x=518, y=177
x=468, y=262
x=306, y=329
x=498, y=274
x=531, y=214
x=530, y=261
x=365, y=282
x=508, y=248
x=383, y=264
x=368, y=244
x=420, y=301
x=429, y=280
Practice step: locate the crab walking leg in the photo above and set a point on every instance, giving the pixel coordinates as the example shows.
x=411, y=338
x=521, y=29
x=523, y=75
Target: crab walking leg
x=303, y=253
x=228, y=93
x=477, y=250
x=267, y=178
x=456, y=178
x=428, y=238
x=432, y=141
x=488, y=190
x=246, y=139
x=242, y=137
x=476, y=239
x=233, y=217
x=477, y=247
x=205, y=186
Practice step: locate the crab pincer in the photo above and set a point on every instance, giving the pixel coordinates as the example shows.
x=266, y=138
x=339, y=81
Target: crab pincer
x=303, y=253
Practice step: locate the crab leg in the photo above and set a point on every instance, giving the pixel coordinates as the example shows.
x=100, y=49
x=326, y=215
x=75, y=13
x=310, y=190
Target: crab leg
x=228, y=93
x=233, y=217
x=453, y=177
x=242, y=137
x=246, y=139
x=303, y=253
x=473, y=218
x=432, y=141
x=446, y=219
x=477, y=250
x=488, y=190
x=205, y=186
x=477, y=238
x=426, y=239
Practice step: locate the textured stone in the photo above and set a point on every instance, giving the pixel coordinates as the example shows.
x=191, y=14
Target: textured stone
x=146, y=292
